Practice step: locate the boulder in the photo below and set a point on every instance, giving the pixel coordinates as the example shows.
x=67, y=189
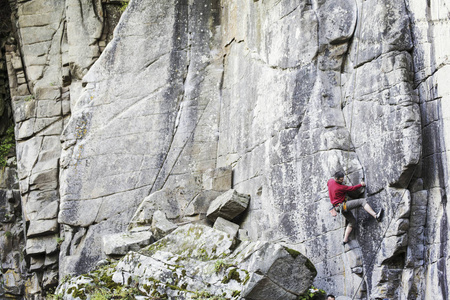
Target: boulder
x=196, y=261
x=12, y=282
x=42, y=227
x=163, y=200
x=121, y=243
x=200, y=204
x=161, y=226
x=226, y=226
x=228, y=205
x=46, y=244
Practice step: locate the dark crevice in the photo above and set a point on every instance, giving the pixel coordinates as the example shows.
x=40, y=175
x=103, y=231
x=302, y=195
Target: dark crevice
x=180, y=41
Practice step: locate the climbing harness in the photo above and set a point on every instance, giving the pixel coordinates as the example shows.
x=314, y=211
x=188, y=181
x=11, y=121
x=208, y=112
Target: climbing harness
x=341, y=207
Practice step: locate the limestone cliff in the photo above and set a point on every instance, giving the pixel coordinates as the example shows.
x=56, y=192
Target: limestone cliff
x=283, y=92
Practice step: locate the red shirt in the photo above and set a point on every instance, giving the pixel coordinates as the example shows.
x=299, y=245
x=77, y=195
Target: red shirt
x=337, y=191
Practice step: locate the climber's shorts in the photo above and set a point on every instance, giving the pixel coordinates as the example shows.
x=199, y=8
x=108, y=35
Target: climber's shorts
x=351, y=204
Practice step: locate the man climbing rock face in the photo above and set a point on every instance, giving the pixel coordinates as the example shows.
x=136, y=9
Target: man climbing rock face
x=337, y=192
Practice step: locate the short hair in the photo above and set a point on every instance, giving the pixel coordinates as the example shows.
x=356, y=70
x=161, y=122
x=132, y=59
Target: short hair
x=339, y=174
x=332, y=296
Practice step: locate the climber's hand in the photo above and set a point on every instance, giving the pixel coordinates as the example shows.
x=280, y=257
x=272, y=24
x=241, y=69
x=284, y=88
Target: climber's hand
x=363, y=183
x=333, y=212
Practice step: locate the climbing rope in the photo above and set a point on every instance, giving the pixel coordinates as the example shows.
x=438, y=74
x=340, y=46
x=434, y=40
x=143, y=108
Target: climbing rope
x=363, y=279
x=385, y=231
x=354, y=90
x=351, y=119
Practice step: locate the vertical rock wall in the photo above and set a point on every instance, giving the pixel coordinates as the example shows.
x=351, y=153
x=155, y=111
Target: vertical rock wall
x=171, y=122
x=429, y=249
x=284, y=92
x=13, y=265
x=345, y=101
x=53, y=45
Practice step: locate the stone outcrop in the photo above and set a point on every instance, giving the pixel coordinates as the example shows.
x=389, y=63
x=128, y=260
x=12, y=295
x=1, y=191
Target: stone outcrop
x=196, y=261
x=190, y=99
x=160, y=225
x=121, y=243
x=229, y=205
x=226, y=226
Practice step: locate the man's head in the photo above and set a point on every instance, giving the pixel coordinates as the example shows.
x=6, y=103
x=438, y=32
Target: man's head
x=330, y=297
x=339, y=176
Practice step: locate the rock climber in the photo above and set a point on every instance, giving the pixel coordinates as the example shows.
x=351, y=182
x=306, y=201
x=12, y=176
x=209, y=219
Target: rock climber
x=331, y=297
x=337, y=192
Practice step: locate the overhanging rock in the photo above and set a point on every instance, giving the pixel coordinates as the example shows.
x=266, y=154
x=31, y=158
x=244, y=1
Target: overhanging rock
x=228, y=205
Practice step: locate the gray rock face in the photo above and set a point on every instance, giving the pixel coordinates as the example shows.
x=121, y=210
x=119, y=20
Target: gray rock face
x=269, y=98
x=120, y=244
x=59, y=41
x=219, y=179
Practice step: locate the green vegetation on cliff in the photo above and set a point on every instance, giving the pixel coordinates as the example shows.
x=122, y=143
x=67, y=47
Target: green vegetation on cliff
x=6, y=144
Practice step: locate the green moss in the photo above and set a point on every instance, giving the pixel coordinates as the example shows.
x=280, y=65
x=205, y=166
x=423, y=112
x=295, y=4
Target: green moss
x=202, y=295
x=235, y=293
x=157, y=295
x=6, y=144
x=79, y=293
x=247, y=277
x=311, y=267
x=312, y=294
x=205, y=295
x=233, y=274
x=219, y=265
x=124, y=5
x=153, y=248
x=147, y=288
x=29, y=98
x=101, y=294
x=203, y=254
x=292, y=252
x=108, y=282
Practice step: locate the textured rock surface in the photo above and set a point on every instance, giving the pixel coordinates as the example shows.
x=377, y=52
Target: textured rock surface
x=196, y=261
x=229, y=205
x=160, y=225
x=121, y=243
x=49, y=48
x=226, y=226
x=13, y=266
x=269, y=98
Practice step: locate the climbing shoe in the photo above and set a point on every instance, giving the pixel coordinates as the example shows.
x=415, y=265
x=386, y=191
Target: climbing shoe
x=380, y=215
